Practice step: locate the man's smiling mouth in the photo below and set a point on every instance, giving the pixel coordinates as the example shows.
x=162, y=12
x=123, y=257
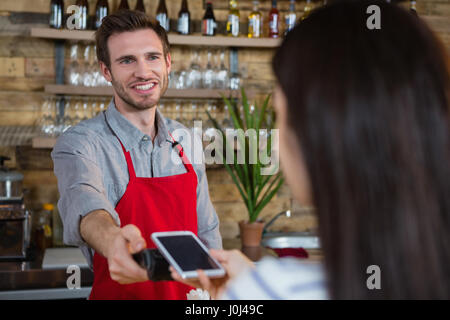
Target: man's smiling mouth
x=144, y=88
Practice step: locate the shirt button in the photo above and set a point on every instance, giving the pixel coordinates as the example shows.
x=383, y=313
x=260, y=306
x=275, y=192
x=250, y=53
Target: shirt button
x=145, y=138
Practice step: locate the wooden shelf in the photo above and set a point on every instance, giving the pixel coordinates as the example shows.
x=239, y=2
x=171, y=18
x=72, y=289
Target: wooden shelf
x=174, y=39
x=170, y=93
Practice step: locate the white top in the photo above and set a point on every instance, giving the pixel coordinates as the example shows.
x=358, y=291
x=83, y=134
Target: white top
x=279, y=279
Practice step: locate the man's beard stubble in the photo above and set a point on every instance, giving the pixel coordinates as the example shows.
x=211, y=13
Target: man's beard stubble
x=125, y=97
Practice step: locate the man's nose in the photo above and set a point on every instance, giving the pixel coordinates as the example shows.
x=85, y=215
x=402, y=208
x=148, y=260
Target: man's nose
x=143, y=69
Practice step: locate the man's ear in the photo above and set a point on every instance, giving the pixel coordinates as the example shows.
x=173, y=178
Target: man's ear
x=168, y=62
x=105, y=71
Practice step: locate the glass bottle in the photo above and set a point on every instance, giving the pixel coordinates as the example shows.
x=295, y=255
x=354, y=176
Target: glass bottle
x=43, y=229
x=84, y=12
x=162, y=16
x=184, y=19
x=307, y=9
x=123, y=5
x=101, y=11
x=255, y=22
x=274, y=20
x=56, y=14
x=209, y=22
x=291, y=18
x=233, y=19
x=140, y=6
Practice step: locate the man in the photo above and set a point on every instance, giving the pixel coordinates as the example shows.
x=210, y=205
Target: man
x=116, y=175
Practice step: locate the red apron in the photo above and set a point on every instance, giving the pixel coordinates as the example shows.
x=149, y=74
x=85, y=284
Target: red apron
x=151, y=204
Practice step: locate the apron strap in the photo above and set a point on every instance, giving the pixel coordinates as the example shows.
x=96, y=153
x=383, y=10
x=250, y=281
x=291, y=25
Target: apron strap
x=130, y=166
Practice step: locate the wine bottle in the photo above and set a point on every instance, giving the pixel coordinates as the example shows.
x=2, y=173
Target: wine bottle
x=291, y=18
x=184, y=19
x=274, y=20
x=84, y=11
x=307, y=9
x=123, y=5
x=140, y=6
x=233, y=19
x=56, y=14
x=255, y=22
x=209, y=22
x=162, y=16
x=101, y=11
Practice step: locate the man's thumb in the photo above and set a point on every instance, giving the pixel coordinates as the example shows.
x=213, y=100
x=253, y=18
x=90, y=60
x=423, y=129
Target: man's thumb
x=133, y=235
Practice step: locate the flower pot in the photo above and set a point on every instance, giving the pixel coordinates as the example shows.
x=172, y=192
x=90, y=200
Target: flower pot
x=251, y=233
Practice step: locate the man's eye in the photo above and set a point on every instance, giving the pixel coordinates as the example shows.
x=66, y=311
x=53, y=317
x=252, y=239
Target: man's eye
x=126, y=61
x=152, y=58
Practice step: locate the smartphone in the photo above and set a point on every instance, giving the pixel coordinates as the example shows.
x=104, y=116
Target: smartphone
x=186, y=253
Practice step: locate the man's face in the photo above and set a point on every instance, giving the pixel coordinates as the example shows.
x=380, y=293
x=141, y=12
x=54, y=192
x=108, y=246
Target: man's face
x=139, y=71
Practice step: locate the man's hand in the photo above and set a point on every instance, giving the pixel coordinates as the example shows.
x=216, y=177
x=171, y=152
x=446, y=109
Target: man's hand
x=101, y=233
x=122, y=267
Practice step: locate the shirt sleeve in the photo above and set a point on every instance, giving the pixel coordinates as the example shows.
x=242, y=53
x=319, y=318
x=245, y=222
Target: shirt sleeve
x=80, y=183
x=279, y=279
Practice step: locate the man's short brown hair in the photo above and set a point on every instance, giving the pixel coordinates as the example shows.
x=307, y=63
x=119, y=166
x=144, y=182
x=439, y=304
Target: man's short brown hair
x=125, y=21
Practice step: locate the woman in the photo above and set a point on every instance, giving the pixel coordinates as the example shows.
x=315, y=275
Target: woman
x=364, y=120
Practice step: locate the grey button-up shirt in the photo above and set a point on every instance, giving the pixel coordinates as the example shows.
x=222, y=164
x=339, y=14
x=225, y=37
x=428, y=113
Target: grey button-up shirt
x=92, y=171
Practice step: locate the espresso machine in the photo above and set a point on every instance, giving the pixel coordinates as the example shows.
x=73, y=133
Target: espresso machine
x=15, y=219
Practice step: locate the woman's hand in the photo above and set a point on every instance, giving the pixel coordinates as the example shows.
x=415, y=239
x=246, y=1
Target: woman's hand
x=233, y=261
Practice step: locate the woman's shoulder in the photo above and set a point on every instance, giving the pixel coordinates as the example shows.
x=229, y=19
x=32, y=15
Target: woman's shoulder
x=280, y=279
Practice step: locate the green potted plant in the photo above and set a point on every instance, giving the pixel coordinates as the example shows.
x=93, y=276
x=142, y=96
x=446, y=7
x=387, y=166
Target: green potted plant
x=256, y=181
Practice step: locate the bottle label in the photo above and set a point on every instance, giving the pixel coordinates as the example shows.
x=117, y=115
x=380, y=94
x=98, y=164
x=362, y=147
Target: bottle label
x=273, y=25
x=183, y=23
x=163, y=20
x=254, y=26
x=208, y=27
x=233, y=25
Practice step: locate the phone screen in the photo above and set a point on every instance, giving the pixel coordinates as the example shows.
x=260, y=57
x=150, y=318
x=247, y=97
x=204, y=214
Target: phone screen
x=187, y=253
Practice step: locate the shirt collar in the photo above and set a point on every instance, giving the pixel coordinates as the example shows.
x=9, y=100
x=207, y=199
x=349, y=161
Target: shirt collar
x=128, y=134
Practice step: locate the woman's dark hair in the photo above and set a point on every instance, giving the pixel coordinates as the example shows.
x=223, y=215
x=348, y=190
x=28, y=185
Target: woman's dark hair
x=370, y=109
x=124, y=21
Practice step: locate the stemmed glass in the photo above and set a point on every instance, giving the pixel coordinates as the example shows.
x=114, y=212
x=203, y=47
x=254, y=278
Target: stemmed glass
x=72, y=74
x=222, y=79
x=209, y=129
x=194, y=75
x=208, y=77
x=67, y=119
x=87, y=72
x=86, y=113
x=178, y=114
x=47, y=119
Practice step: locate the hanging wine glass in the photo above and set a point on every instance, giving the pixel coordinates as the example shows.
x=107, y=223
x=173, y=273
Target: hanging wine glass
x=194, y=75
x=208, y=75
x=72, y=72
x=222, y=78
